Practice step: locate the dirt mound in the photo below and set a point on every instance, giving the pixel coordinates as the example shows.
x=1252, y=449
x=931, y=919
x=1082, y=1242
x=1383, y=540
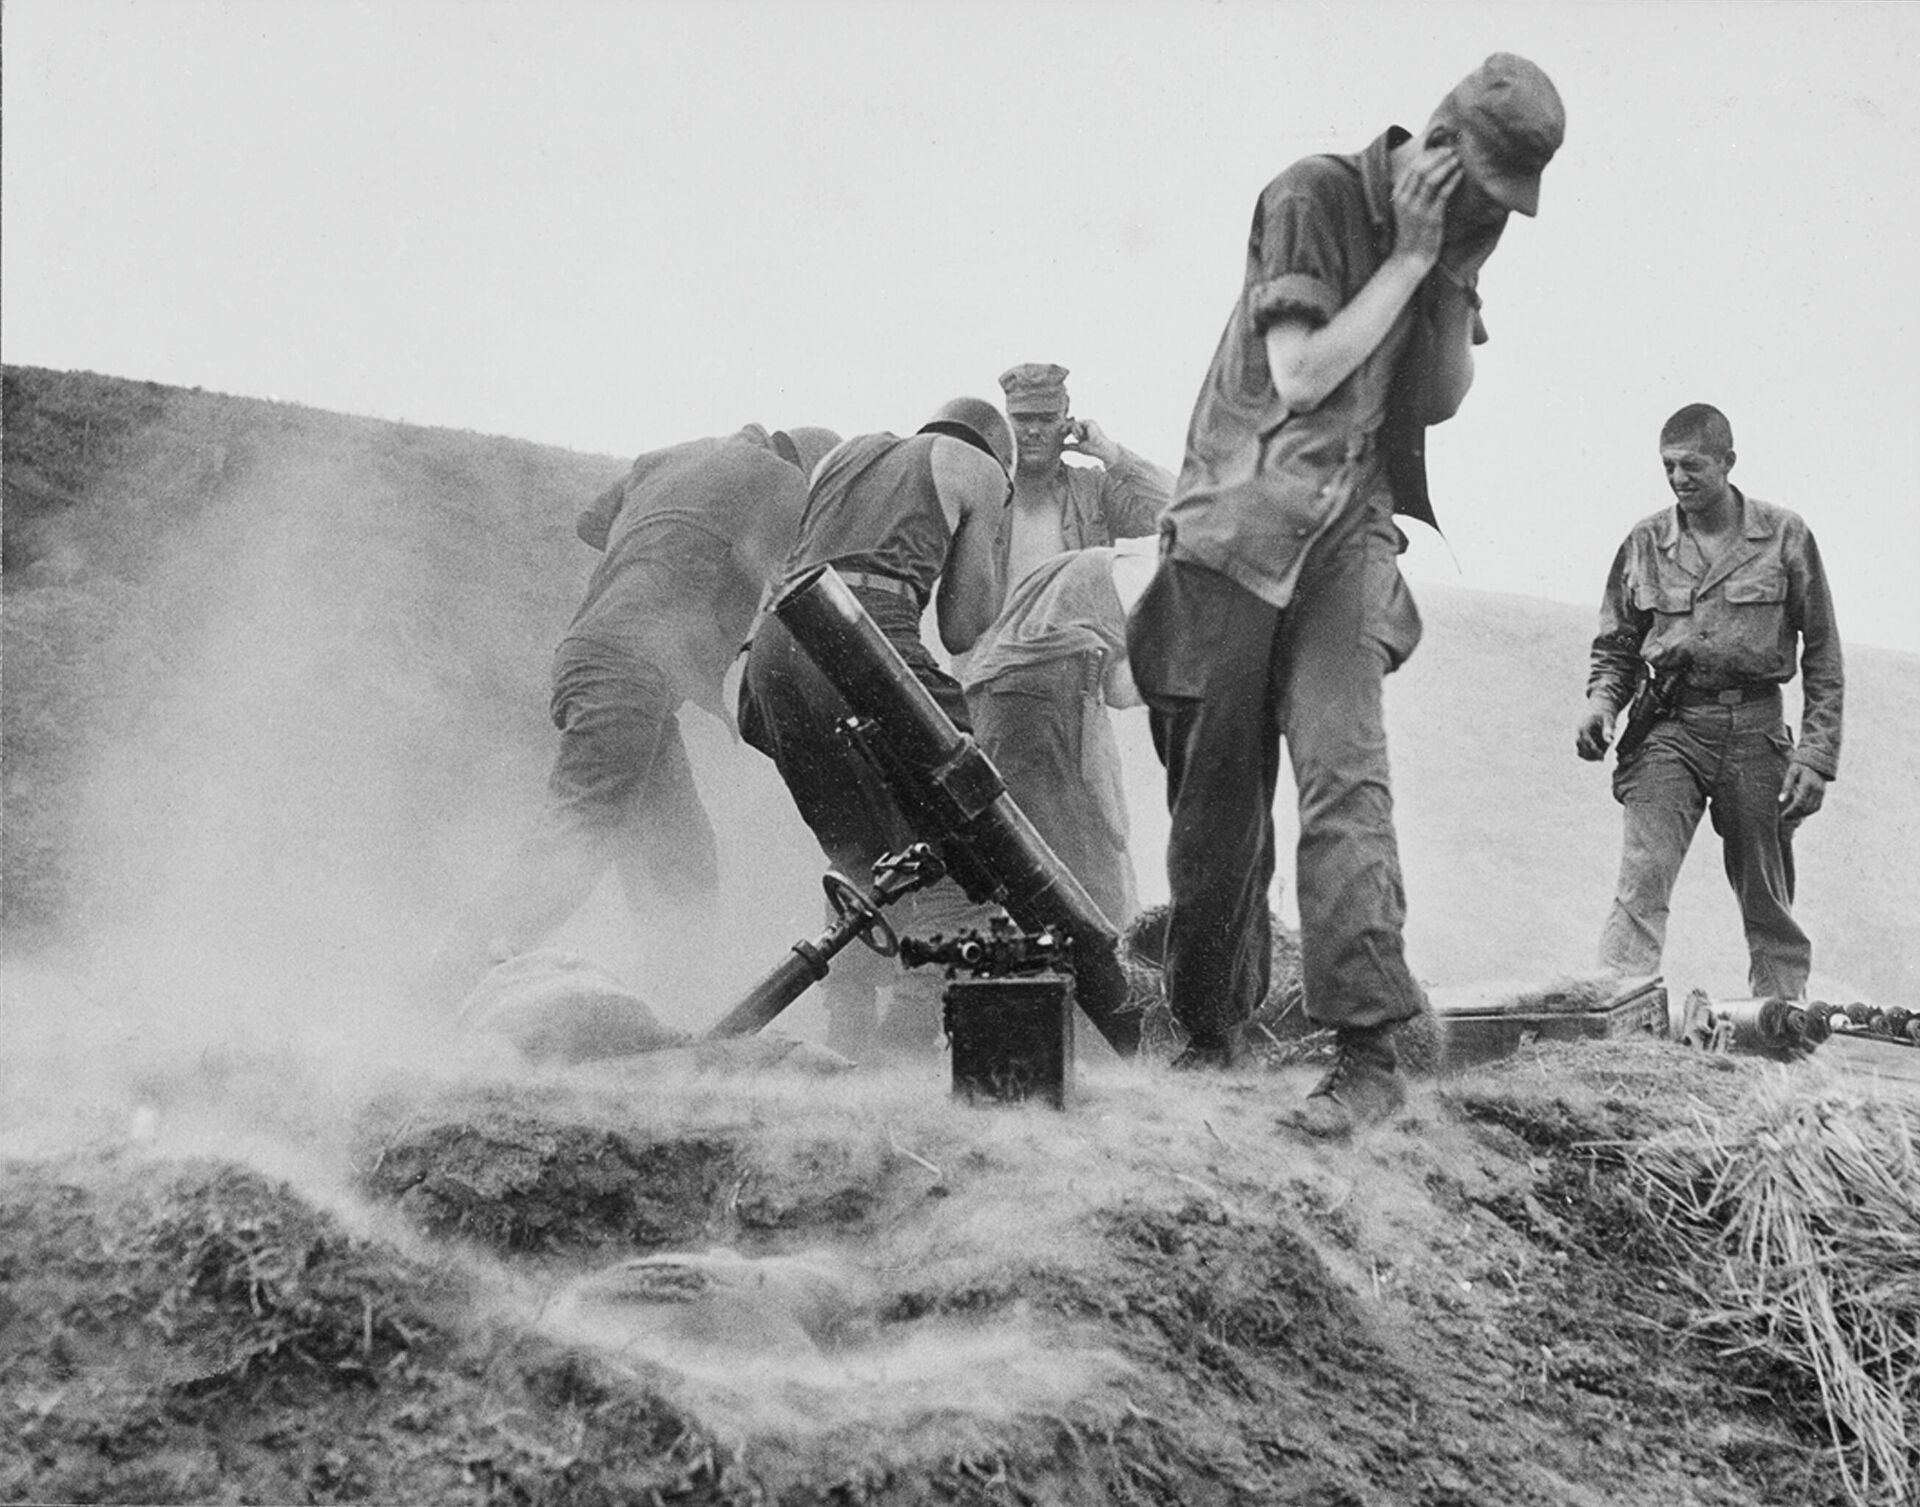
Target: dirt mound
x=516, y=1182
x=209, y=1335
x=774, y=1287
x=695, y=1305
x=563, y=1177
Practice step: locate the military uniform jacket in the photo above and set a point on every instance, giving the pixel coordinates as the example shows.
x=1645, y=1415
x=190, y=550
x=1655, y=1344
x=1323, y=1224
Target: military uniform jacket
x=1752, y=618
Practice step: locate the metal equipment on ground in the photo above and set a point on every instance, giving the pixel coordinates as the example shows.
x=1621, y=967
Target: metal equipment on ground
x=957, y=804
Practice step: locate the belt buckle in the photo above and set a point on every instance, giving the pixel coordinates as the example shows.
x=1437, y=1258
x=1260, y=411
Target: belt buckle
x=1731, y=696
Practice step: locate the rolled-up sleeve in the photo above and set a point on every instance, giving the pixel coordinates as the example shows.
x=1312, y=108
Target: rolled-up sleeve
x=1297, y=250
x=1823, y=675
x=1291, y=297
x=1133, y=494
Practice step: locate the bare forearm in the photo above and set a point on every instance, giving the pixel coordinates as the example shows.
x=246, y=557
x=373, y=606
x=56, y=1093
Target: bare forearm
x=1307, y=364
x=963, y=612
x=968, y=599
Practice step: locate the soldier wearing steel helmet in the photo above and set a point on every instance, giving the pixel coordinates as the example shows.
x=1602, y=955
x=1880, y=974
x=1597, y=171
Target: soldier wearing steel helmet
x=907, y=522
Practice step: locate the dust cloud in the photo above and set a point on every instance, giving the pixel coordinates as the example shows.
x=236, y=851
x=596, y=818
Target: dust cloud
x=323, y=722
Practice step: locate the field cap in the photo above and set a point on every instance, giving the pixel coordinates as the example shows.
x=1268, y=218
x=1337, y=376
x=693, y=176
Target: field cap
x=1035, y=387
x=1511, y=122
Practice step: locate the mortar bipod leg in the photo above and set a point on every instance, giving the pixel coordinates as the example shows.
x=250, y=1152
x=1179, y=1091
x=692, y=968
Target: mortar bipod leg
x=857, y=915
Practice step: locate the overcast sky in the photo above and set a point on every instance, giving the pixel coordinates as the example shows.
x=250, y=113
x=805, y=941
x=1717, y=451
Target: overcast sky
x=610, y=226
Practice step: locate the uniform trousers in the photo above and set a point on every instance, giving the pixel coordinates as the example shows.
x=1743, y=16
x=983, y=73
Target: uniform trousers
x=1731, y=761
x=1048, y=733
x=620, y=795
x=1228, y=677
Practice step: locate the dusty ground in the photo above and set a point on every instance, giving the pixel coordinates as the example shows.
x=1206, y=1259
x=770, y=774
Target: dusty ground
x=875, y=1294
x=275, y=689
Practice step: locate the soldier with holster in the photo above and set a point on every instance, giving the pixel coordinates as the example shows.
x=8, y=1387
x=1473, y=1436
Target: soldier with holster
x=1714, y=604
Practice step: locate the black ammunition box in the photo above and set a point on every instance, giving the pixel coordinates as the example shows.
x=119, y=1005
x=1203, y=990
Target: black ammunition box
x=1011, y=1038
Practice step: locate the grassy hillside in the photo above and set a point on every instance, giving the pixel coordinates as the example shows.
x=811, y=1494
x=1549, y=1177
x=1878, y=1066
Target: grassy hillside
x=1511, y=835
x=274, y=698
x=275, y=692
x=1511, y=843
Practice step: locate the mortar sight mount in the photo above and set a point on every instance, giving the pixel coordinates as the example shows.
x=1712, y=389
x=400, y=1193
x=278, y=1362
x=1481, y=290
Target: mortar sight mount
x=1003, y=951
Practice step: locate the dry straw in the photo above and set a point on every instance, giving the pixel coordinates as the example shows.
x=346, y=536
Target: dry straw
x=1806, y=1207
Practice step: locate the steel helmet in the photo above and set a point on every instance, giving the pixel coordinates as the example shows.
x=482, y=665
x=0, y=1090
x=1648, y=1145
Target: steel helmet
x=978, y=422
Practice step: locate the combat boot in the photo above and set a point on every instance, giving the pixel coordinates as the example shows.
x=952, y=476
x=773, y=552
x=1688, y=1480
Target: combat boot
x=1362, y=1088
x=1214, y=1051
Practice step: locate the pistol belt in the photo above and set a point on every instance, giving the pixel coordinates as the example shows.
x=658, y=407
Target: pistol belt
x=1733, y=695
x=873, y=580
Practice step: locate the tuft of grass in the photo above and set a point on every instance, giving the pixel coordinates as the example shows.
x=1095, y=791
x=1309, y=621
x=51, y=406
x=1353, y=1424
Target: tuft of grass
x=1805, y=1209
x=1278, y=1035
x=251, y=1279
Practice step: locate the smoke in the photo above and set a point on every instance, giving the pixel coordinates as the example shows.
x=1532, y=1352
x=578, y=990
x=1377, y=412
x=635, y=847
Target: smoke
x=260, y=823
x=322, y=721
x=301, y=683
x=802, y=1350
x=942, y=1391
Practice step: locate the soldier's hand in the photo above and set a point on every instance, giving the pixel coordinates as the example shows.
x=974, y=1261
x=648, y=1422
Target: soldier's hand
x=1085, y=437
x=1593, y=732
x=1420, y=197
x=1802, y=793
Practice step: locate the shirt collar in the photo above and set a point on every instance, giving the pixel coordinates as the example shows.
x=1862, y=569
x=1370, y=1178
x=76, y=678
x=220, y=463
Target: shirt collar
x=1753, y=524
x=1757, y=524
x=1376, y=177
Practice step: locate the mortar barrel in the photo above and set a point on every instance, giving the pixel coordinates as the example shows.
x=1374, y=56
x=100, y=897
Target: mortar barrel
x=941, y=780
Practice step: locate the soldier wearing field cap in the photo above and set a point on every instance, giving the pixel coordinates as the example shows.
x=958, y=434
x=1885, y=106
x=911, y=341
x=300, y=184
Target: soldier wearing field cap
x=1279, y=608
x=1060, y=507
